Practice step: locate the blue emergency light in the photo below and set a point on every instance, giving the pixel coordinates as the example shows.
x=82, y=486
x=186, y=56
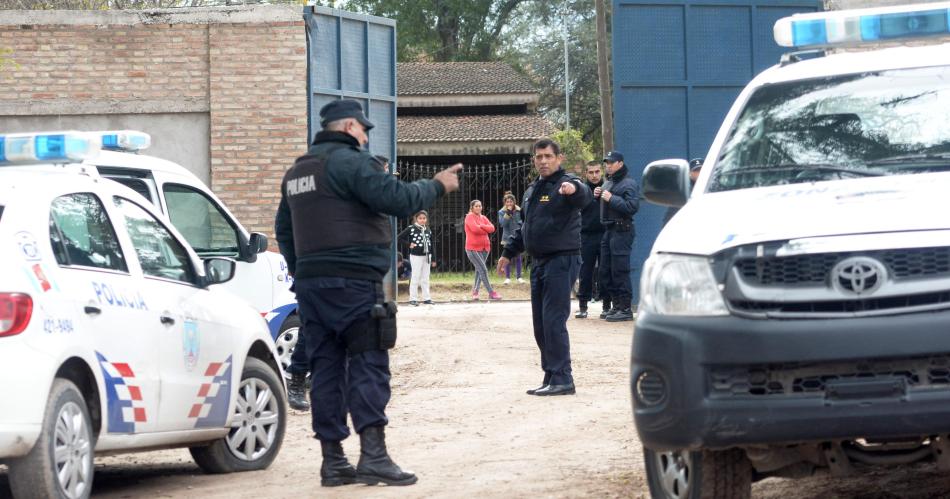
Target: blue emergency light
x=125, y=140
x=53, y=147
x=848, y=27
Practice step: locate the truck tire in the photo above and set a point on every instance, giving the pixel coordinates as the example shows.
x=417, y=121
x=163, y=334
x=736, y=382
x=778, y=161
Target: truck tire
x=257, y=425
x=66, y=447
x=702, y=474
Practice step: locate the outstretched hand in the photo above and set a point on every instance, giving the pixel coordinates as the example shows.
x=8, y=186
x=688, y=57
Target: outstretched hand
x=502, y=264
x=567, y=188
x=449, y=178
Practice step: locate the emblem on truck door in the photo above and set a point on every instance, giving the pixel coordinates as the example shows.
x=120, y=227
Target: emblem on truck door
x=858, y=275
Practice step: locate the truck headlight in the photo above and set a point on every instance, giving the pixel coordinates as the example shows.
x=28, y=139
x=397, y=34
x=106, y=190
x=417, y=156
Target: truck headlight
x=680, y=285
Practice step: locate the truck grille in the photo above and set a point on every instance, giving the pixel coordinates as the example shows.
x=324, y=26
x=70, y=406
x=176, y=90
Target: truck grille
x=811, y=379
x=894, y=303
x=814, y=269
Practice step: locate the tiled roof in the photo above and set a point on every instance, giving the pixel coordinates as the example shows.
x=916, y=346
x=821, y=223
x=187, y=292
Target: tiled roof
x=444, y=78
x=478, y=128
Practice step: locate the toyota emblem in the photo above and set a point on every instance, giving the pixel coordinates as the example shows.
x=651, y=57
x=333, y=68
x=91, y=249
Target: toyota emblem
x=858, y=275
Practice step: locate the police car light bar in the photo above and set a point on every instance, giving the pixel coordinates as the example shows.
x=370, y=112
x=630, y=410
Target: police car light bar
x=125, y=140
x=848, y=27
x=47, y=147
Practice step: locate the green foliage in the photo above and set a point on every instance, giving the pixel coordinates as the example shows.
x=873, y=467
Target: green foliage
x=542, y=52
x=446, y=30
x=576, y=151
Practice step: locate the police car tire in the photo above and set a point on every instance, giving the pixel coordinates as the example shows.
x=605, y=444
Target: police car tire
x=712, y=475
x=218, y=458
x=34, y=476
x=290, y=323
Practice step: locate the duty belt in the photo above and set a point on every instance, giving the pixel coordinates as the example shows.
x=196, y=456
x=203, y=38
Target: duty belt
x=618, y=225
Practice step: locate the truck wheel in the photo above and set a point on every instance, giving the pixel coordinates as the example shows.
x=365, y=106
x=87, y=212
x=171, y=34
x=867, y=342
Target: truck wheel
x=60, y=464
x=257, y=425
x=286, y=341
x=699, y=475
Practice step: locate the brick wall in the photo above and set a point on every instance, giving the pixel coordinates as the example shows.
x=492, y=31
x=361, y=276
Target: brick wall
x=245, y=67
x=258, y=105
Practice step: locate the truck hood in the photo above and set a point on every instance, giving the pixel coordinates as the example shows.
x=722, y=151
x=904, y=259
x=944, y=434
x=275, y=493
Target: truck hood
x=711, y=222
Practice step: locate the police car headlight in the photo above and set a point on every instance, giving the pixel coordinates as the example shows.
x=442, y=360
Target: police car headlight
x=680, y=285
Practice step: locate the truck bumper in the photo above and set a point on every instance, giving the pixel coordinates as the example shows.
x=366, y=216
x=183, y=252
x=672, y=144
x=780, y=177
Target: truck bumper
x=721, y=382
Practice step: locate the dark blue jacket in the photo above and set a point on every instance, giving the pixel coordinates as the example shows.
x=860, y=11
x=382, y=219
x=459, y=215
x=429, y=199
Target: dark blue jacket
x=551, y=222
x=624, y=201
x=352, y=175
x=590, y=215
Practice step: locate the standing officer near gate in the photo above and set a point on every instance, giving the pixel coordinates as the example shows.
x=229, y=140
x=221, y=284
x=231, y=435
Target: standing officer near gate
x=619, y=201
x=338, y=271
x=551, y=234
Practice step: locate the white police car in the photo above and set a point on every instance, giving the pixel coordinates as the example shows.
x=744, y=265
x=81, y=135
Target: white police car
x=113, y=335
x=206, y=223
x=794, y=313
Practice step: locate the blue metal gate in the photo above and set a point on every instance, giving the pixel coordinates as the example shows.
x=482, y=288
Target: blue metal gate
x=353, y=56
x=677, y=67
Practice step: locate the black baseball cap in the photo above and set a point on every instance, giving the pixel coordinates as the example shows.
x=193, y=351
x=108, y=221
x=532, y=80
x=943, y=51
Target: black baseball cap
x=344, y=108
x=613, y=156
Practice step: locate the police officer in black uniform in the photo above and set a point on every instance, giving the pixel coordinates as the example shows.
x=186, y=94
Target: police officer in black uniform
x=619, y=201
x=551, y=234
x=338, y=270
x=592, y=231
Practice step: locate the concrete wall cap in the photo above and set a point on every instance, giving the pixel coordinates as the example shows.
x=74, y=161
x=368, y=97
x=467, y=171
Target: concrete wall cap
x=252, y=14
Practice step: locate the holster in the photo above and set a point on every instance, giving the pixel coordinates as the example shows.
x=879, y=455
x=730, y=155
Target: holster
x=376, y=332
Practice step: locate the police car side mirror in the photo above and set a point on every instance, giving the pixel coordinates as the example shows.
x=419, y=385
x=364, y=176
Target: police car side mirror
x=666, y=182
x=219, y=270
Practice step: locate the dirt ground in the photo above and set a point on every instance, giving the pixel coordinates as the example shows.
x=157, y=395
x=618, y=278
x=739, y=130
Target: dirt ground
x=460, y=419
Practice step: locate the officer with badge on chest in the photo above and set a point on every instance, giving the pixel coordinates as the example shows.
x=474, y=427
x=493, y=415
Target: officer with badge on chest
x=551, y=234
x=338, y=270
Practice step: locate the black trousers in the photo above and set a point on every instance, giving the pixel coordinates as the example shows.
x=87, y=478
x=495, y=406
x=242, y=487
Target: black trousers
x=615, y=252
x=551, y=282
x=356, y=384
x=590, y=254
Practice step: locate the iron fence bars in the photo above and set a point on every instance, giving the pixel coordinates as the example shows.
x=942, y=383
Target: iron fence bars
x=486, y=182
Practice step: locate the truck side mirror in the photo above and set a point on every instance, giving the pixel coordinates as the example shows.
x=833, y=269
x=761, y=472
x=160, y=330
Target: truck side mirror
x=666, y=182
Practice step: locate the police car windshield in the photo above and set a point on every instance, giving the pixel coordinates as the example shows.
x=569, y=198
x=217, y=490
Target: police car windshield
x=888, y=122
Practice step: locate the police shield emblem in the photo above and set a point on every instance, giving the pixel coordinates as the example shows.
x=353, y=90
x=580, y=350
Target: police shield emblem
x=191, y=343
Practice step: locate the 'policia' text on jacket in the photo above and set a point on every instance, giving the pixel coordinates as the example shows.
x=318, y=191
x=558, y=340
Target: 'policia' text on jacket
x=332, y=221
x=551, y=222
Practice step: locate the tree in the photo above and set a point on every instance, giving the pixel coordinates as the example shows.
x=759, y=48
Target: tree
x=541, y=51
x=446, y=30
x=576, y=151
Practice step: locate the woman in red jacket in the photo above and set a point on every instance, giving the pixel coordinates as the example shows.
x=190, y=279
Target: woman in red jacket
x=477, y=246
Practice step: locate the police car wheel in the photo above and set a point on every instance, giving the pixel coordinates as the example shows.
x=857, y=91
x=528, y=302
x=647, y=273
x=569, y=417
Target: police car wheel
x=257, y=425
x=286, y=341
x=698, y=474
x=60, y=464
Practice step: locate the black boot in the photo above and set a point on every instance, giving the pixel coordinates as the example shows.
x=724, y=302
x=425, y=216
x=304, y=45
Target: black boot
x=297, y=392
x=620, y=315
x=606, y=309
x=375, y=464
x=582, y=313
x=336, y=470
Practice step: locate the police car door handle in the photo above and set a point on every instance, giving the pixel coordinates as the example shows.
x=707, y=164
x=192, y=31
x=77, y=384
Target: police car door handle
x=167, y=320
x=92, y=310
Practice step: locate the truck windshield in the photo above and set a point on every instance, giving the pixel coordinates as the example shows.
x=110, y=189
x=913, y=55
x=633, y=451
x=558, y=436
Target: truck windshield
x=878, y=123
